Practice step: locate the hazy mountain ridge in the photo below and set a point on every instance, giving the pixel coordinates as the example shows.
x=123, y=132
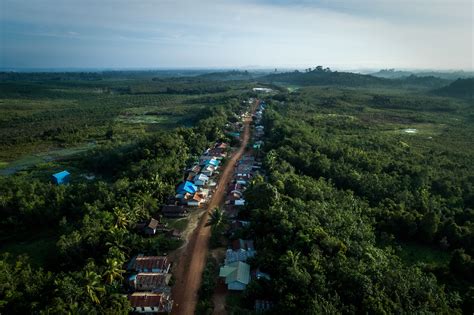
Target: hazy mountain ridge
x=320, y=76
x=462, y=88
x=398, y=74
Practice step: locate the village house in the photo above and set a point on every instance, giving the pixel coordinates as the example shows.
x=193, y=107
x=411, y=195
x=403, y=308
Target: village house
x=241, y=251
x=236, y=274
x=239, y=202
x=150, y=281
x=201, y=180
x=231, y=211
x=173, y=211
x=235, y=194
x=204, y=192
x=150, y=303
x=238, y=255
x=186, y=187
x=236, y=225
x=196, y=201
x=208, y=170
x=61, y=178
x=151, y=227
x=141, y=263
x=243, y=244
x=263, y=306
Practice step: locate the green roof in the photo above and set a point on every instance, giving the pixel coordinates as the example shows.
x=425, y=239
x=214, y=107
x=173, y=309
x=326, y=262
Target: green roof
x=236, y=271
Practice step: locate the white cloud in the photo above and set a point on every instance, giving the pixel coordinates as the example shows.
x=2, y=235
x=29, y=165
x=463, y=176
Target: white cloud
x=417, y=33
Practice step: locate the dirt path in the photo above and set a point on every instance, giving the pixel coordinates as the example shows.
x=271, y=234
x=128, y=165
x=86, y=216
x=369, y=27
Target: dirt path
x=192, y=257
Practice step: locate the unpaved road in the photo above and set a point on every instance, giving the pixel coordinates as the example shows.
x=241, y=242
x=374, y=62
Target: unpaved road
x=192, y=257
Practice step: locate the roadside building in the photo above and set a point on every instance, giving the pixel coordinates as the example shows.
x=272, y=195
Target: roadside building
x=150, y=303
x=141, y=263
x=201, y=180
x=150, y=281
x=236, y=274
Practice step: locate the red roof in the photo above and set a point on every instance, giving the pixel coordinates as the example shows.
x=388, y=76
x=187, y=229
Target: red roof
x=147, y=299
x=150, y=263
x=152, y=280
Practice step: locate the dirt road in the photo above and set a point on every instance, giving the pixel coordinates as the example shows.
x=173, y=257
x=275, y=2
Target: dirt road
x=192, y=257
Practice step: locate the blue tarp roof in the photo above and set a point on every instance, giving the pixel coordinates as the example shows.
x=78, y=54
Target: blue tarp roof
x=188, y=187
x=61, y=177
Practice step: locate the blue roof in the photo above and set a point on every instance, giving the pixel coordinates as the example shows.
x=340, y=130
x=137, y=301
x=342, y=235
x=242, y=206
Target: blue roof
x=61, y=177
x=187, y=187
x=211, y=162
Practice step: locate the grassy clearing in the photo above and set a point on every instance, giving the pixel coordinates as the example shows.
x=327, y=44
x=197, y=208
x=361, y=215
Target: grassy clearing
x=412, y=253
x=179, y=224
x=32, y=160
x=40, y=247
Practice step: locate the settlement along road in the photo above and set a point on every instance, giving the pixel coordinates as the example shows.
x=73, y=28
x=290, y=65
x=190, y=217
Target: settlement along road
x=192, y=259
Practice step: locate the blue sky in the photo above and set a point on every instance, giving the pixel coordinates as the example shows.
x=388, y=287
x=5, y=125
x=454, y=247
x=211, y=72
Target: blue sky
x=345, y=34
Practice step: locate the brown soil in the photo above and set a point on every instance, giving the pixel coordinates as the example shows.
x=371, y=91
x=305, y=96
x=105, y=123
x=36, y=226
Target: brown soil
x=191, y=258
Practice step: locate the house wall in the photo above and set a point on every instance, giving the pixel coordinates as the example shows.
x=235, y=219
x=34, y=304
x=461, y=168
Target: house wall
x=236, y=286
x=147, y=310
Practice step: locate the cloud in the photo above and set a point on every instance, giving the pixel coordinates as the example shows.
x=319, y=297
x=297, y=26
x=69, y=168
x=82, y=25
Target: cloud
x=230, y=33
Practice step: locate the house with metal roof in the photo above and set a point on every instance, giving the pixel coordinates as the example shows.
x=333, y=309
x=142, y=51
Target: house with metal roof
x=61, y=178
x=143, y=263
x=236, y=274
x=201, y=180
x=150, y=303
x=213, y=162
x=150, y=281
x=186, y=187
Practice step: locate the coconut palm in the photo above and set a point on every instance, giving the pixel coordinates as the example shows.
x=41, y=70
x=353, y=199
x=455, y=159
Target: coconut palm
x=114, y=270
x=217, y=218
x=94, y=286
x=121, y=219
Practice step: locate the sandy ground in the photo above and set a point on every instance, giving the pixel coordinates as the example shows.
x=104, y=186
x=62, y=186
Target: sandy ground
x=190, y=259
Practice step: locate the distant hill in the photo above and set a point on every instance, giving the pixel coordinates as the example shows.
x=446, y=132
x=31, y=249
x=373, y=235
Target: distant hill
x=327, y=77
x=425, y=81
x=400, y=74
x=324, y=77
x=462, y=88
x=231, y=75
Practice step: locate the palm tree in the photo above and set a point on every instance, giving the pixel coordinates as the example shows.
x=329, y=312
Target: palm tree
x=121, y=219
x=114, y=270
x=217, y=218
x=293, y=258
x=117, y=238
x=94, y=286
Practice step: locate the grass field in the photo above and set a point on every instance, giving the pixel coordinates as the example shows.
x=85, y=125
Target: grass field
x=412, y=253
x=39, y=246
x=49, y=118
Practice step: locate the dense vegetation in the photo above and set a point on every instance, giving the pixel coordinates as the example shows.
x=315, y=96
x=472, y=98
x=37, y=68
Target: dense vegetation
x=463, y=88
x=47, y=111
x=366, y=206
x=349, y=191
x=80, y=235
x=320, y=76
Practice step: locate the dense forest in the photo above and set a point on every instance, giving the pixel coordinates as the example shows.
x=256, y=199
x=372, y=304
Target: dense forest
x=463, y=88
x=320, y=76
x=366, y=203
x=359, y=214
x=81, y=234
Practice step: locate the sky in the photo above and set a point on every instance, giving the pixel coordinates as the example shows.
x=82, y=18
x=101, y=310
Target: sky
x=341, y=34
